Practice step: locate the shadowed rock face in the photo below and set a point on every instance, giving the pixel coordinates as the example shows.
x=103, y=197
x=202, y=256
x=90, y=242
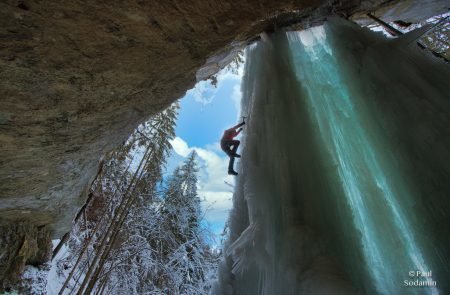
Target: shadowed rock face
x=76, y=77
x=21, y=243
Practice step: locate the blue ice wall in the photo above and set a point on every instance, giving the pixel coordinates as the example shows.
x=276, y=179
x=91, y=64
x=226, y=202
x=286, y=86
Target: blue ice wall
x=345, y=170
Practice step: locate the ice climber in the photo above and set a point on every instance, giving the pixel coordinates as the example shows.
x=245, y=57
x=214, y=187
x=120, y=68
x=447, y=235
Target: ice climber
x=230, y=145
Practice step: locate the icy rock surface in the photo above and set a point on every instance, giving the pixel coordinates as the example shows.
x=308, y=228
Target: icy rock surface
x=344, y=172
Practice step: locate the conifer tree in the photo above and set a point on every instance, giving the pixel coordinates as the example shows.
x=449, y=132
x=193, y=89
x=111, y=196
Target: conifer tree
x=120, y=188
x=181, y=213
x=142, y=234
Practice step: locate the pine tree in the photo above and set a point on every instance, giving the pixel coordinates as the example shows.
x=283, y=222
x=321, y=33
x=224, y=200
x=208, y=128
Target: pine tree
x=183, y=256
x=121, y=189
x=156, y=134
x=142, y=234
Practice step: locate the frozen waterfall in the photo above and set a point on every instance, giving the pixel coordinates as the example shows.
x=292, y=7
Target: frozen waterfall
x=344, y=183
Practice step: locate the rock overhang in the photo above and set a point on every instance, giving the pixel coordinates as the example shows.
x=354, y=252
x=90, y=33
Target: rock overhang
x=77, y=78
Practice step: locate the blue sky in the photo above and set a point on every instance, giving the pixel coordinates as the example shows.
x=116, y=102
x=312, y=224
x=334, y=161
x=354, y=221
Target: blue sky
x=202, y=120
x=205, y=112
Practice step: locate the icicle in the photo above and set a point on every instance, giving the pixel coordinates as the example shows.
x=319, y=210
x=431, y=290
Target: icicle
x=335, y=170
x=241, y=249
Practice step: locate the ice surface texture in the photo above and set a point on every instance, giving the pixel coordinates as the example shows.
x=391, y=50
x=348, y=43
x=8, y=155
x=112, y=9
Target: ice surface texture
x=345, y=173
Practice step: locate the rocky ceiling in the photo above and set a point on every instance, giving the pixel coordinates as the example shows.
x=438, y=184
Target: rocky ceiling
x=76, y=77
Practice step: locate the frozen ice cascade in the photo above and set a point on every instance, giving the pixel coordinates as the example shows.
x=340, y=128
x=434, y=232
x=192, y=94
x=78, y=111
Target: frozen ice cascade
x=345, y=173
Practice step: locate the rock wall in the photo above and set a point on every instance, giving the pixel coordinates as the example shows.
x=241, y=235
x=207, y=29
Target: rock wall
x=76, y=77
x=21, y=243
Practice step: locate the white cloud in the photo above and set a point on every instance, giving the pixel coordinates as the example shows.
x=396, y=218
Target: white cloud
x=180, y=147
x=226, y=74
x=217, y=205
x=204, y=92
x=215, y=147
x=213, y=167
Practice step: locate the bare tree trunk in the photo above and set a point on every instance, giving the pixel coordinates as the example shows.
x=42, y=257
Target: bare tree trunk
x=103, y=286
x=85, y=247
x=116, y=230
x=112, y=226
x=60, y=244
